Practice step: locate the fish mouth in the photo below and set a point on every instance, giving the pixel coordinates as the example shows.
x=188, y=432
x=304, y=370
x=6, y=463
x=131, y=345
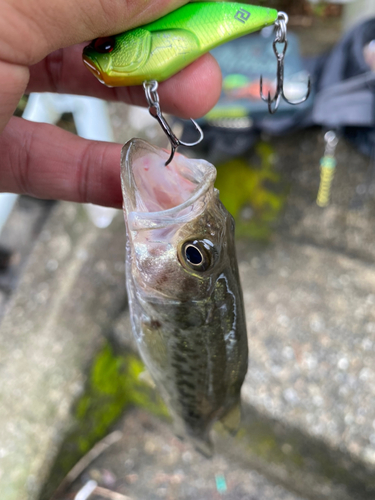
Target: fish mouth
x=93, y=66
x=156, y=195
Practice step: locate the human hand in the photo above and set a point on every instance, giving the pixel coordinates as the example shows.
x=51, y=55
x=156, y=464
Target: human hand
x=41, y=51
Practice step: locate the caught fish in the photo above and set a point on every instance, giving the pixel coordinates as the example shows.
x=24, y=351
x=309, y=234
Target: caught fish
x=161, y=48
x=183, y=285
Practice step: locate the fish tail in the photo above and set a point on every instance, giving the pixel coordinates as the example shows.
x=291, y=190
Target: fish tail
x=231, y=420
x=201, y=440
x=203, y=445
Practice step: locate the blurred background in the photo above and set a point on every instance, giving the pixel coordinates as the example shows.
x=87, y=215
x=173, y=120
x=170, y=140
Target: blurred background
x=77, y=421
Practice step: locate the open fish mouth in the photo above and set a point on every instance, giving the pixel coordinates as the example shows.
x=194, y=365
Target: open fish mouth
x=156, y=195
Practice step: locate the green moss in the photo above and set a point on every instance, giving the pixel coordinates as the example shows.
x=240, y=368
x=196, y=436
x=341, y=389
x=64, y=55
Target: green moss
x=267, y=447
x=253, y=194
x=256, y=439
x=113, y=385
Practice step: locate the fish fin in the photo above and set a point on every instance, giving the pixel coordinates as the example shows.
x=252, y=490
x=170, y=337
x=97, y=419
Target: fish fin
x=147, y=379
x=178, y=425
x=231, y=421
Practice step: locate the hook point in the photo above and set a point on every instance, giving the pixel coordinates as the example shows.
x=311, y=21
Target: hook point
x=171, y=156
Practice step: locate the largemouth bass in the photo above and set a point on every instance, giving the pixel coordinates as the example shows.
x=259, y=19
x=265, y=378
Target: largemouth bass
x=183, y=286
x=160, y=49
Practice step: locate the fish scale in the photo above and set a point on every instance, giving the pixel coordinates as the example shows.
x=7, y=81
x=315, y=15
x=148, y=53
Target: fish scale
x=198, y=377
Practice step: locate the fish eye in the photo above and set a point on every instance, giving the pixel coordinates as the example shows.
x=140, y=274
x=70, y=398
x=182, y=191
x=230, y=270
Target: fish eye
x=104, y=45
x=195, y=256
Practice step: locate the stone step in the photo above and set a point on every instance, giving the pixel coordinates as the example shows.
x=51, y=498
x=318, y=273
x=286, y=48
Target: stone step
x=51, y=332
x=17, y=239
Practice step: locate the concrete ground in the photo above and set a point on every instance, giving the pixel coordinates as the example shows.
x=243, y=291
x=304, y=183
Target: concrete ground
x=149, y=462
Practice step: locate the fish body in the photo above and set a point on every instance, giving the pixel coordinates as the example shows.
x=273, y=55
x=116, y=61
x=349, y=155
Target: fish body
x=160, y=49
x=183, y=286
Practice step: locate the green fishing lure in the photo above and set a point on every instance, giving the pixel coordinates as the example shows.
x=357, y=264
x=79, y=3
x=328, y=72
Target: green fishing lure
x=158, y=50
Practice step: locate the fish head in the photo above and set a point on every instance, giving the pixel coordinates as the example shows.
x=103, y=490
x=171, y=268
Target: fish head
x=180, y=236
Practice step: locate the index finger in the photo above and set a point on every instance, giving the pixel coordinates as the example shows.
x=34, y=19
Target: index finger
x=31, y=30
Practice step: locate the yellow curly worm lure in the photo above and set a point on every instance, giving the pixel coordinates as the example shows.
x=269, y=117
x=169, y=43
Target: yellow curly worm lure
x=158, y=50
x=327, y=169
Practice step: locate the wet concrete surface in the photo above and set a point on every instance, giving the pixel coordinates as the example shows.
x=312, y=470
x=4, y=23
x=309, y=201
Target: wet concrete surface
x=149, y=462
x=347, y=224
x=50, y=331
x=17, y=241
x=311, y=325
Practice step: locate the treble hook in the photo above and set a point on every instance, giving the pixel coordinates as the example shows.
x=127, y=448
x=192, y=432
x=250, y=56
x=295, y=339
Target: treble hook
x=152, y=97
x=280, y=37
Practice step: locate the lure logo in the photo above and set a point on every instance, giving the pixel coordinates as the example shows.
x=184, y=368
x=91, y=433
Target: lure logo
x=242, y=15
